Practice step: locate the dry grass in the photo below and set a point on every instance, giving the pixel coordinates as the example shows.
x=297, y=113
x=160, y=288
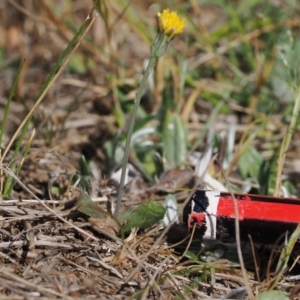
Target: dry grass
x=50, y=251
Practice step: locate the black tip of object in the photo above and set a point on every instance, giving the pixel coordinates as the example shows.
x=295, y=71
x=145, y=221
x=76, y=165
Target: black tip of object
x=198, y=203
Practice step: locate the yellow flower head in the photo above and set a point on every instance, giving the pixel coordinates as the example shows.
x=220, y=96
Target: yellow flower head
x=170, y=23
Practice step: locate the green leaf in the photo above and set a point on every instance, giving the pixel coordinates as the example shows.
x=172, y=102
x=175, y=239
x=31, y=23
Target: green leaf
x=287, y=251
x=264, y=177
x=290, y=187
x=250, y=163
x=174, y=141
x=271, y=295
x=100, y=220
x=143, y=216
x=124, y=216
x=285, y=74
x=88, y=207
x=119, y=116
x=84, y=167
x=141, y=123
x=192, y=256
x=83, y=179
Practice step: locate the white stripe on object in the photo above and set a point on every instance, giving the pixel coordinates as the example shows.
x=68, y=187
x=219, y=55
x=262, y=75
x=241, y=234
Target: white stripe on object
x=211, y=214
x=171, y=214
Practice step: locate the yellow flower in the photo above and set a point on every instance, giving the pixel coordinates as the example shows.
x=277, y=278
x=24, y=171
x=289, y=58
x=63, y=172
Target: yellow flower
x=170, y=23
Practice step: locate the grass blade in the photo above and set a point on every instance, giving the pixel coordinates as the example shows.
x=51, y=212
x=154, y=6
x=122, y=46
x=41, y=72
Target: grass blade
x=7, y=106
x=55, y=73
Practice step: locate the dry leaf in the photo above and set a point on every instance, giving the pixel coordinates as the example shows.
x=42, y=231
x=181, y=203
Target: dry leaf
x=173, y=180
x=107, y=225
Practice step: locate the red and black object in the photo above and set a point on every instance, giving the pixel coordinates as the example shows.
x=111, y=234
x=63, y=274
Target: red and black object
x=264, y=218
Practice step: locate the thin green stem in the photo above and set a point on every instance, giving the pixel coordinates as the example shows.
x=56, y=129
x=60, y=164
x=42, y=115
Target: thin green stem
x=7, y=106
x=285, y=255
x=10, y=182
x=55, y=73
x=148, y=70
x=286, y=143
x=293, y=122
